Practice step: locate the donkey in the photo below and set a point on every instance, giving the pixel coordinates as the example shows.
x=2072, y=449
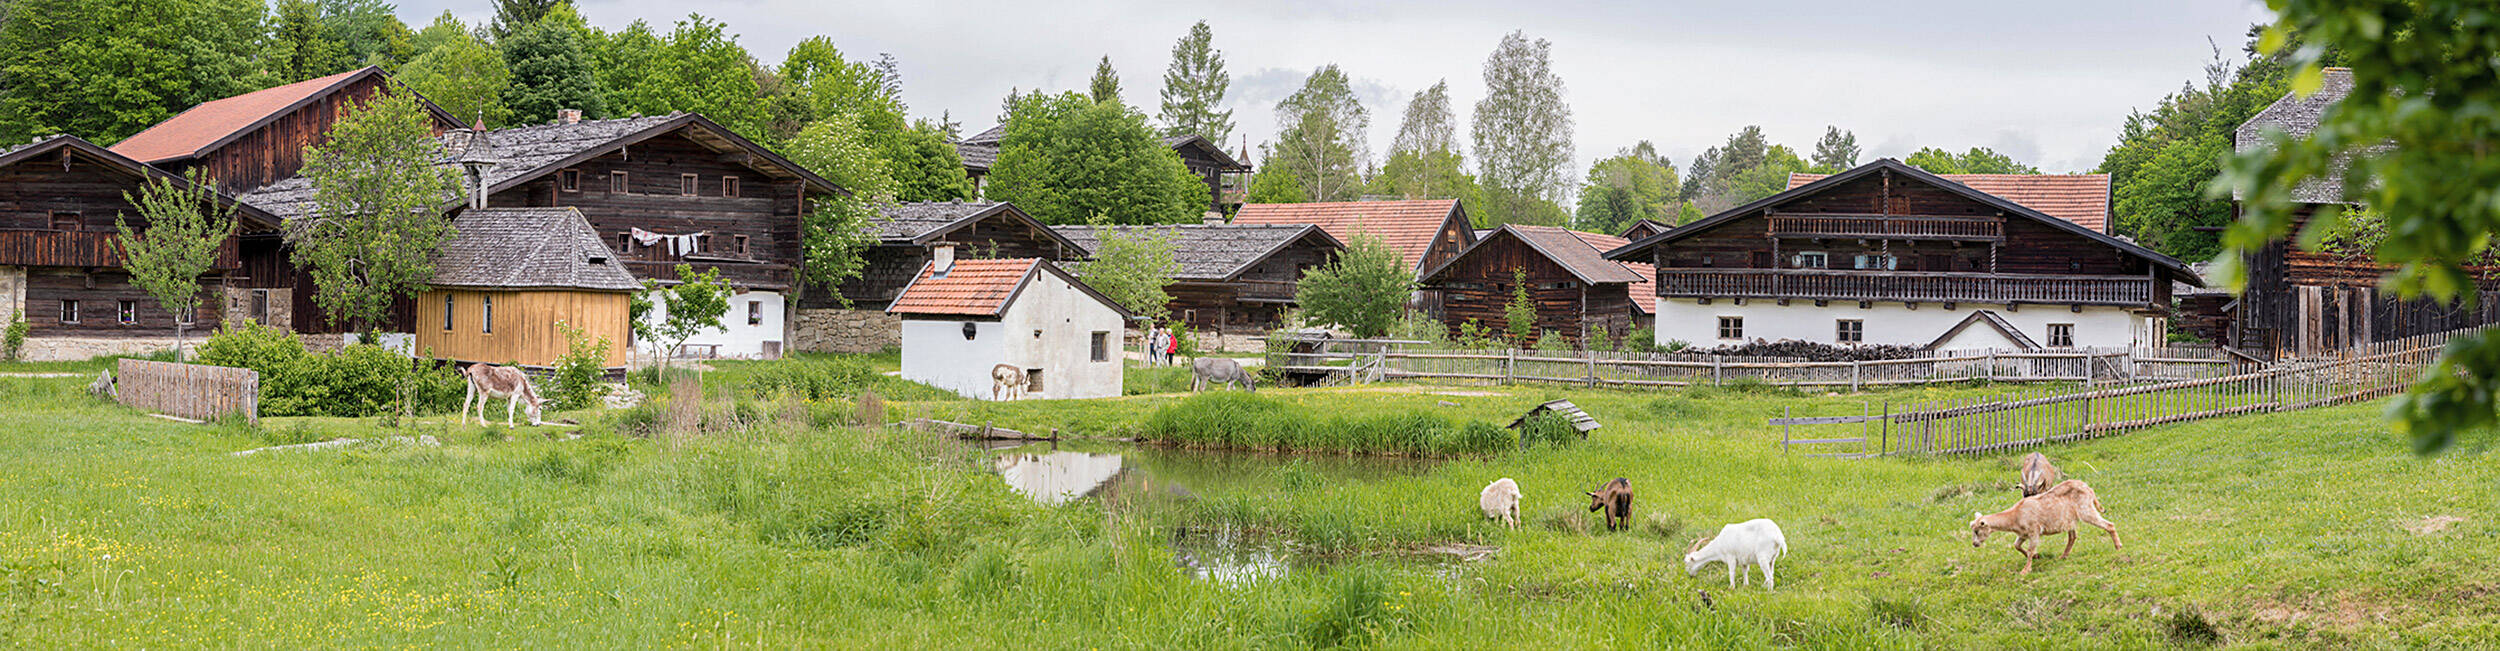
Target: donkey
x=488, y=382
x=1616, y=498
x=1217, y=371
x=1006, y=382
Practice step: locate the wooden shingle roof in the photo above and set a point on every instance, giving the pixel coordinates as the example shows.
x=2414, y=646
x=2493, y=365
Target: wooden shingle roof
x=2079, y=198
x=1645, y=290
x=548, y=248
x=2296, y=116
x=922, y=222
x=1409, y=226
x=1212, y=252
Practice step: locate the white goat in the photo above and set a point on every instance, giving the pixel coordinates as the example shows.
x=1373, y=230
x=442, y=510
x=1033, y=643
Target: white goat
x=1756, y=541
x=1500, y=501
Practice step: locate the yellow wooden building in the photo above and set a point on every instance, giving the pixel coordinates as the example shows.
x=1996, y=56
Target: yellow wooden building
x=505, y=283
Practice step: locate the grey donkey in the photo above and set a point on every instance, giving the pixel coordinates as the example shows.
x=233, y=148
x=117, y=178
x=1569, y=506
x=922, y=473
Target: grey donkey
x=1219, y=371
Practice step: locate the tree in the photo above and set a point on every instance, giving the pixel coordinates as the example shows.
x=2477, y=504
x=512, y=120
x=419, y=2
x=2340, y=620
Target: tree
x=185, y=225
x=709, y=73
x=1745, y=168
x=1522, y=135
x=105, y=69
x=1837, y=151
x=919, y=157
x=1427, y=126
x=550, y=71
x=1106, y=84
x=831, y=84
x=1275, y=184
x=672, y=314
x=1132, y=266
x=1632, y=185
x=837, y=233
x=1067, y=159
x=1979, y=160
x=2412, y=142
x=2165, y=158
x=375, y=225
x=513, y=15
x=1519, y=315
x=630, y=66
x=369, y=32
x=460, y=73
x=2164, y=203
x=839, y=150
x=301, y=43
x=1323, y=143
x=1194, y=86
x=1424, y=162
x=1364, y=290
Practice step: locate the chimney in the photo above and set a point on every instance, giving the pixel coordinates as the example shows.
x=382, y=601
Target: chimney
x=568, y=116
x=944, y=260
x=1212, y=218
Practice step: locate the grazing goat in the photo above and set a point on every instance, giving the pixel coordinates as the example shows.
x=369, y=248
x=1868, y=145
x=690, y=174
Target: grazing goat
x=1741, y=547
x=2052, y=512
x=1500, y=501
x=1215, y=371
x=488, y=382
x=2038, y=474
x=1006, y=382
x=1616, y=498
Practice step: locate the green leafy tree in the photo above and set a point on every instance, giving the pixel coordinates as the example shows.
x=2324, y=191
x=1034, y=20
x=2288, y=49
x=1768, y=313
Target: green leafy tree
x=1522, y=134
x=919, y=157
x=1979, y=160
x=1427, y=125
x=1132, y=266
x=632, y=71
x=550, y=71
x=1424, y=162
x=1634, y=184
x=2164, y=204
x=460, y=73
x=831, y=84
x=1837, y=151
x=1275, y=184
x=511, y=16
x=184, y=226
x=369, y=32
x=1519, y=315
x=105, y=69
x=2166, y=157
x=1194, y=86
x=838, y=230
x=672, y=314
x=301, y=43
x=1323, y=143
x=1067, y=159
x=374, y=226
x=2413, y=142
x=1745, y=168
x=707, y=72
x=1106, y=84
x=1364, y=290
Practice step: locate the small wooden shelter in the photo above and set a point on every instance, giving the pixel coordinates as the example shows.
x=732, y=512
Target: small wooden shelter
x=507, y=284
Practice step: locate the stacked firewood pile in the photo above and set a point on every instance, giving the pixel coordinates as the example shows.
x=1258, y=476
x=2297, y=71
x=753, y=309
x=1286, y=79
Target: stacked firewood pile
x=1813, y=352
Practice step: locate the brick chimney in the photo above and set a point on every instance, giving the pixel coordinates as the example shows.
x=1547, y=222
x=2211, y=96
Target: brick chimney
x=568, y=116
x=942, y=260
x=1212, y=218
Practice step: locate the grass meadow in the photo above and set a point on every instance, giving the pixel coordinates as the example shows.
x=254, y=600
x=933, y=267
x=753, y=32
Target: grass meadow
x=2310, y=529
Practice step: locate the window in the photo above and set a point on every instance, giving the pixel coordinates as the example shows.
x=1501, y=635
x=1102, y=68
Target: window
x=687, y=184
x=128, y=312
x=69, y=311
x=755, y=313
x=1731, y=327
x=569, y=180
x=1882, y=261
x=2061, y=335
x=486, y=316
x=1813, y=260
x=1761, y=260
x=447, y=313
x=1850, y=331
x=729, y=187
x=624, y=242
x=742, y=245
x=260, y=305
x=703, y=243
x=1102, y=346
x=65, y=220
x=1033, y=380
x=616, y=183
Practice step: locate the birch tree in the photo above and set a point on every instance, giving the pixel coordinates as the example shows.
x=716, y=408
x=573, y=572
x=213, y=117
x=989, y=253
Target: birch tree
x=1323, y=142
x=1522, y=134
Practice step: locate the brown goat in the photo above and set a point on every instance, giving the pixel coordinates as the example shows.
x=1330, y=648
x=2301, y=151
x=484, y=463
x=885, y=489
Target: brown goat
x=2038, y=474
x=2053, y=512
x=1616, y=498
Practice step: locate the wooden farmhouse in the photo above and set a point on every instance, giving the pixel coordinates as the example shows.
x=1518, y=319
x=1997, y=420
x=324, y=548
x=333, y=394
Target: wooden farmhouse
x=1234, y=278
x=508, y=284
x=1578, y=294
x=258, y=138
x=985, y=328
x=663, y=191
x=1227, y=178
x=60, y=263
x=2299, y=302
x=1887, y=253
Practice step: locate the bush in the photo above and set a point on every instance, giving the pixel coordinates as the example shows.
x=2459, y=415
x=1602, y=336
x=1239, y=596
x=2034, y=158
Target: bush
x=576, y=382
x=13, y=340
x=356, y=381
x=1552, y=342
x=811, y=379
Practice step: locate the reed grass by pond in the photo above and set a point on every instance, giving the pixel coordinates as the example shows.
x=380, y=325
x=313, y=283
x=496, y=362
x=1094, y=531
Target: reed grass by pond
x=2305, y=529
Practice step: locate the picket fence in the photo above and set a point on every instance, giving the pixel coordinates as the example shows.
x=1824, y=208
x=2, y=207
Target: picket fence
x=2025, y=419
x=188, y=390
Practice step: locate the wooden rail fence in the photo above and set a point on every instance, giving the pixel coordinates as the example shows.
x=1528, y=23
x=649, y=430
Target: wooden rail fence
x=1371, y=360
x=188, y=390
x=2053, y=415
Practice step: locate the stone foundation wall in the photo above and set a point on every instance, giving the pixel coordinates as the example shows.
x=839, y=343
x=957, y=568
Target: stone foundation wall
x=833, y=330
x=237, y=307
x=72, y=349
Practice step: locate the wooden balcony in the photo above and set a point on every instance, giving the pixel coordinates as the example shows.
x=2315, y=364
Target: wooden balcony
x=1892, y=227
x=1900, y=286
x=50, y=248
x=755, y=275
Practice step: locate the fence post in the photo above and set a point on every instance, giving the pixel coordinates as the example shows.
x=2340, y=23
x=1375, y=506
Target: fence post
x=1853, y=376
x=1786, y=413
x=1592, y=357
x=1510, y=365
x=1717, y=376
x=1992, y=365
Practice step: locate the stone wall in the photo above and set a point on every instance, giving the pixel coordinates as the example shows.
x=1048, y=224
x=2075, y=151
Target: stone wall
x=72, y=349
x=833, y=330
x=12, y=293
x=281, y=306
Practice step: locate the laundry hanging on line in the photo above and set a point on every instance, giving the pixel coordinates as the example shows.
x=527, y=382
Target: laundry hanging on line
x=676, y=244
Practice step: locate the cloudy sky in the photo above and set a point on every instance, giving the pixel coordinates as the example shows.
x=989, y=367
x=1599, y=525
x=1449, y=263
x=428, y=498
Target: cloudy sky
x=2048, y=83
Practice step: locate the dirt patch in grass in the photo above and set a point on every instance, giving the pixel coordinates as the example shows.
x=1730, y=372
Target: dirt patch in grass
x=2433, y=524
x=2336, y=612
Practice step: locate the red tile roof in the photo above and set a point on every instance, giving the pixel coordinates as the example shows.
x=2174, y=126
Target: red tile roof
x=1409, y=226
x=193, y=131
x=1645, y=290
x=2079, y=198
x=972, y=287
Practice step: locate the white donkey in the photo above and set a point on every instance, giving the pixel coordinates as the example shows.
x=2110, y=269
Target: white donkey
x=488, y=382
x=1007, y=382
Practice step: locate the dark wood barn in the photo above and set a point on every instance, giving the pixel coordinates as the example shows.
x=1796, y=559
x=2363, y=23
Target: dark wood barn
x=1234, y=278
x=1576, y=291
x=257, y=138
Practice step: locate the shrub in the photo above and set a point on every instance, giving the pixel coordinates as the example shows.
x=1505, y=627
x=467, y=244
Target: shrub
x=1602, y=339
x=1473, y=334
x=356, y=381
x=1481, y=437
x=1547, y=428
x=13, y=340
x=811, y=379
x=576, y=381
x=1552, y=342
x=1354, y=614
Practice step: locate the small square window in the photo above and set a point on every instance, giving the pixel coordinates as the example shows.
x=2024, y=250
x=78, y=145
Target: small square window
x=69, y=311
x=755, y=313
x=742, y=245
x=1731, y=327
x=624, y=242
x=486, y=316
x=1850, y=331
x=617, y=183
x=687, y=184
x=1033, y=380
x=128, y=312
x=65, y=220
x=2061, y=335
x=569, y=180
x=729, y=187
x=1102, y=346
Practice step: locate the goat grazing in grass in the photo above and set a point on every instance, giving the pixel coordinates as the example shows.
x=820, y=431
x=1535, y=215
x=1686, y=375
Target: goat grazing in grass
x=1741, y=546
x=1500, y=501
x=1616, y=499
x=2038, y=474
x=2052, y=512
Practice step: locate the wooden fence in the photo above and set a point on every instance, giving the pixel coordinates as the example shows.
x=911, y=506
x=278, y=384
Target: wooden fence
x=2043, y=416
x=1370, y=360
x=188, y=390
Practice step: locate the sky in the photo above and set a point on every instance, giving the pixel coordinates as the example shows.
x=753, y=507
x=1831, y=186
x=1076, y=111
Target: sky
x=2048, y=83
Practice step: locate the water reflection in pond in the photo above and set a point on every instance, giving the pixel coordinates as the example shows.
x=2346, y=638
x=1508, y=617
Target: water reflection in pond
x=1057, y=476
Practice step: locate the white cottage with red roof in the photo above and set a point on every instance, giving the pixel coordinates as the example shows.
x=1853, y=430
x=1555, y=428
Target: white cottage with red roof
x=975, y=327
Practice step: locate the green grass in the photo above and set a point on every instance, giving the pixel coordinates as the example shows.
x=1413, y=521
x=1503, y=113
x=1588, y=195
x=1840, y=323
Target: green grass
x=2281, y=530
